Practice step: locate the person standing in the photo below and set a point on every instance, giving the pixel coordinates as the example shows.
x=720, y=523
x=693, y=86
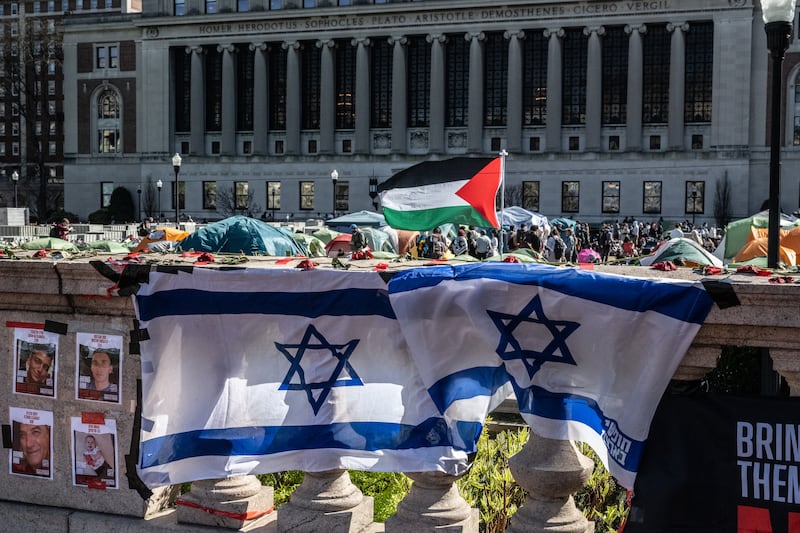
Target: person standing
x=482, y=246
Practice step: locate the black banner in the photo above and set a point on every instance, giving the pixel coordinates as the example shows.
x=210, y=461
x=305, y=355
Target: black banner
x=717, y=463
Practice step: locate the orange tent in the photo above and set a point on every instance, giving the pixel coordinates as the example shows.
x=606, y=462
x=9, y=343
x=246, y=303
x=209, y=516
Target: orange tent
x=758, y=248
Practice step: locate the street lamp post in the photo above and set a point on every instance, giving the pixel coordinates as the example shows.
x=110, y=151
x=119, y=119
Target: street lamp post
x=159, y=184
x=373, y=192
x=694, y=201
x=139, y=192
x=334, y=179
x=176, y=166
x=778, y=16
x=272, y=193
x=15, y=179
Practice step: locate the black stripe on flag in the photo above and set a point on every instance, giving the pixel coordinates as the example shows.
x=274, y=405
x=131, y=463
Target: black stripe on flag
x=432, y=172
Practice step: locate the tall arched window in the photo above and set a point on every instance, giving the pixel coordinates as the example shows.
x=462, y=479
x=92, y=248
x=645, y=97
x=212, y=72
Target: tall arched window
x=108, y=122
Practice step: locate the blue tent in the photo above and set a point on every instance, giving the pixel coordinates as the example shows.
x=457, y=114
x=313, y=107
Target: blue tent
x=240, y=234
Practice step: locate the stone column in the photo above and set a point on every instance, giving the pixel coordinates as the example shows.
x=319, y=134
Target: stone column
x=553, y=127
x=677, y=84
x=698, y=361
x=594, y=89
x=437, y=110
x=326, y=502
x=363, y=95
x=228, y=144
x=327, y=97
x=399, y=94
x=232, y=503
x=633, y=125
x=260, y=98
x=433, y=504
x=475, y=104
x=550, y=471
x=786, y=362
x=293, y=99
x=197, y=137
x=514, y=102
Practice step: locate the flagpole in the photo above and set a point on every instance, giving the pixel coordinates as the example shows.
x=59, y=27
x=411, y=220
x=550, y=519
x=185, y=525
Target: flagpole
x=503, y=154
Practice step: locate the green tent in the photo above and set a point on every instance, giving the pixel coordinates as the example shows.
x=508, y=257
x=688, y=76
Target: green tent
x=326, y=235
x=49, y=243
x=313, y=246
x=111, y=247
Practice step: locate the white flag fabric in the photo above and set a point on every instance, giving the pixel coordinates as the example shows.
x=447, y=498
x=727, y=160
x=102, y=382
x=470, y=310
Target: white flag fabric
x=588, y=355
x=255, y=371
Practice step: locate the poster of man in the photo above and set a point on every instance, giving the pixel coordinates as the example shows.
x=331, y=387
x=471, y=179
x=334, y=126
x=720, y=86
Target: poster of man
x=95, y=454
x=31, y=442
x=36, y=362
x=98, y=367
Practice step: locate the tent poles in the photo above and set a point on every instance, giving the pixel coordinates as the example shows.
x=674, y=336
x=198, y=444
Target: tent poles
x=503, y=154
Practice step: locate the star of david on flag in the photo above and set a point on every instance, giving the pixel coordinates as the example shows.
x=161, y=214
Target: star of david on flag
x=552, y=333
x=305, y=377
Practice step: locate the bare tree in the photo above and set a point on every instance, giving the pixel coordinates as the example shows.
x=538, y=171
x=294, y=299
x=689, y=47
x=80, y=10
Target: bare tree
x=230, y=203
x=722, y=202
x=37, y=58
x=513, y=195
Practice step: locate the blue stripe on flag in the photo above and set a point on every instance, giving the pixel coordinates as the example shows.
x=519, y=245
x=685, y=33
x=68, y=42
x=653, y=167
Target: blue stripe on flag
x=467, y=383
x=346, y=302
x=622, y=449
x=632, y=294
x=265, y=440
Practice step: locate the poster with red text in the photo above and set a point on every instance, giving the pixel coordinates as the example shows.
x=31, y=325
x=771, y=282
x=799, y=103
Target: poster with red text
x=97, y=368
x=31, y=442
x=94, y=452
x=35, y=361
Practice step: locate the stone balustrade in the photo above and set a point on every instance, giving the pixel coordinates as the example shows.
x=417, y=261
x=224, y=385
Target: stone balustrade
x=750, y=312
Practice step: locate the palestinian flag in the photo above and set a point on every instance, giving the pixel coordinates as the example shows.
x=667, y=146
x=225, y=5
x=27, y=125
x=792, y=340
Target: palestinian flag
x=461, y=190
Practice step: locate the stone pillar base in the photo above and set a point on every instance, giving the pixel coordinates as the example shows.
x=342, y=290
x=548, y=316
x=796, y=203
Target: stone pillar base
x=468, y=525
x=233, y=503
x=295, y=519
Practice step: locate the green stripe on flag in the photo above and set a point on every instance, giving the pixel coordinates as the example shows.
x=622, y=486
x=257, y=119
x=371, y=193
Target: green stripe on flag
x=427, y=219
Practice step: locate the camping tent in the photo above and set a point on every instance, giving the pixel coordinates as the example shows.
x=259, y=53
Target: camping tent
x=164, y=236
x=517, y=215
x=339, y=245
x=326, y=235
x=112, y=247
x=313, y=246
x=360, y=218
x=754, y=252
x=49, y=243
x=739, y=232
x=688, y=250
x=240, y=234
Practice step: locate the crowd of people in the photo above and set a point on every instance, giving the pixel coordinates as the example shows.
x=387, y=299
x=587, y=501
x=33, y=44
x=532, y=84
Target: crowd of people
x=628, y=238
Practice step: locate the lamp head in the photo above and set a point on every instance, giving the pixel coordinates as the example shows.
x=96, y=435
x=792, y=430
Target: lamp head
x=15, y=176
x=159, y=184
x=176, y=160
x=777, y=10
x=334, y=175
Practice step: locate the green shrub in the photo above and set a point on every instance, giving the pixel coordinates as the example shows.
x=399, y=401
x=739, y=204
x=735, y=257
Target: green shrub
x=101, y=216
x=121, y=208
x=602, y=499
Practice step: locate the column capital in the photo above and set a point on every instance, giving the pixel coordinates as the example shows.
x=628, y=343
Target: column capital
x=365, y=41
x=194, y=49
x=227, y=47
x=672, y=26
x=558, y=32
x=325, y=43
x=431, y=37
x=641, y=28
x=479, y=35
x=294, y=45
x=259, y=46
x=514, y=34
x=599, y=30
x=402, y=39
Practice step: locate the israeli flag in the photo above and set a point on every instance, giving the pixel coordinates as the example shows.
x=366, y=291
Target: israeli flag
x=263, y=370
x=588, y=355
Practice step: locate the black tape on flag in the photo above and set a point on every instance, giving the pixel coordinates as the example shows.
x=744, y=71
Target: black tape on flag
x=131, y=459
x=132, y=277
x=174, y=269
x=722, y=293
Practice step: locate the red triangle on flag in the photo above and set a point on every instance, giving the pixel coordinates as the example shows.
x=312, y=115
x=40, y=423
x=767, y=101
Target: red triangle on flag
x=480, y=191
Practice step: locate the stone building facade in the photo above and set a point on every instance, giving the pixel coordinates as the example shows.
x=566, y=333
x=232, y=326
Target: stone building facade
x=649, y=109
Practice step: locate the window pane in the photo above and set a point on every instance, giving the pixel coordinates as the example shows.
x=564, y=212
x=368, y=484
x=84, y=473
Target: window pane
x=610, y=197
x=530, y=195
x=570, y=196
x=652, y=197
x=209, y=195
